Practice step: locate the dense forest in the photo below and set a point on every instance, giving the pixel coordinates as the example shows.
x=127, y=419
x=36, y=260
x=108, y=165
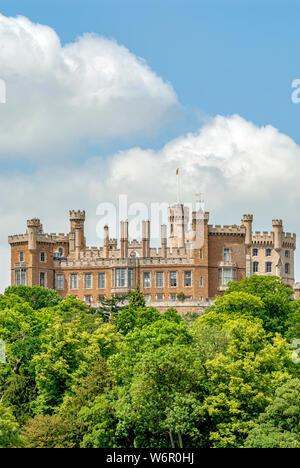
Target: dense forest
x=126, y=375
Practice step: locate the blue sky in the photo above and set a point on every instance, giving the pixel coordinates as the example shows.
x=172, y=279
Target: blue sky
x=214, y=99
x=221, y=56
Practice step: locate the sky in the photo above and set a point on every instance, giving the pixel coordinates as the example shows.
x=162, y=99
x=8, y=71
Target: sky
x=110, y=97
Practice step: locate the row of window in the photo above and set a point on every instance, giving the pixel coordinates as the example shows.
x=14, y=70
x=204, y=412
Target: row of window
x=88, y=281
x=269, y=253
x=268, y=267
x=173, y=279
x=43, y=257
x=125, y=278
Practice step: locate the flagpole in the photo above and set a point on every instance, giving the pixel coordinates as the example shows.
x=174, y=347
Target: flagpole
x=178, y=187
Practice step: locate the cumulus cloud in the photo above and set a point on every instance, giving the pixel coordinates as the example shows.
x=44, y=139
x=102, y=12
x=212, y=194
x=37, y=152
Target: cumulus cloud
x=59, y=96
x=241, y=168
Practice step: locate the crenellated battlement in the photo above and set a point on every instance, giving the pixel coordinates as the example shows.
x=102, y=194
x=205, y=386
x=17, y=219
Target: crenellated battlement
x=263, y=237
x=230, y=230
x=77, y=215
x=248, y=218
x=277, y=223
x=14, y=239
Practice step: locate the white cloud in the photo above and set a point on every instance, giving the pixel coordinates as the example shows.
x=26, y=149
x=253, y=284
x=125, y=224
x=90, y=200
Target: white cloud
x=58, y=96
x=240, y=167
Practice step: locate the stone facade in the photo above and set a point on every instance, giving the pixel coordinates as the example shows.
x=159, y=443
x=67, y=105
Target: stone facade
x=198, y=261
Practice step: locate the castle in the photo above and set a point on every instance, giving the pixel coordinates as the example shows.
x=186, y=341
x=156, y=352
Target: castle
x=192, y=266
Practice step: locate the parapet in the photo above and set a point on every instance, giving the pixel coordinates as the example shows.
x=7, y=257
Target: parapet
x=35, y=222
x=248, y=218
x=17, y=238
x=277, y=223
x=232, y=230
x=77, y=215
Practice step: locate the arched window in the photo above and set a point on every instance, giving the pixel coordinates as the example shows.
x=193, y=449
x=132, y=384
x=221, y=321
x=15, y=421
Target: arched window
x=60, y=251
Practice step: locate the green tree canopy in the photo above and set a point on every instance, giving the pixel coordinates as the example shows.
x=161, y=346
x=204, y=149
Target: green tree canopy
x=37, y=297
x=279, y=425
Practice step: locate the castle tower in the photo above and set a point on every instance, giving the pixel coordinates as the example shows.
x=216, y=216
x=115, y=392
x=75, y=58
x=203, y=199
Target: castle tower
x=77, y=219
x=247, y=223
x=164, y=240
x=278, y=230
x=178, y=221
x=124, y=239
x=106, y=242
x=34, y=228
x=146, y=238
x=277, y=235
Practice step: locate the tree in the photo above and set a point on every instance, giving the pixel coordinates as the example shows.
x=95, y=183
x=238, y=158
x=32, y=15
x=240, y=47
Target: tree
x=243, y=380
x=131, y=318
x=9, y=429
x=37, y=297
x=163, y=399
x=68, y=353
x=275, y=295
x=232, y=306
x=110, y=307
x=79, y=405
x=47, y=432
x=279, y=425
x=21, y=328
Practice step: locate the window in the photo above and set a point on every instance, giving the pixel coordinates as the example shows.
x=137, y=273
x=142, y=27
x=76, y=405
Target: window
x=88, y=299
x=228, y=275
x=173, y=279
x=60, y=282
x=42, y=280
x=160, y=297
x=60, y=251
x=226, y=254
x=201, y=281
x=268, y=253
x=286, y=253
x=43, y=256
x=147, y=298
x=173, y=297
x=201, y=254
x=88, y=281
x=130, y=278
x=220, y=279
x=74, y=281
x=287, y=268
x=255, y=267
x=121, y=278
x=187, y=279
x=147, y=280
x=254, y=252
x=21, y=256
x=21, y=277
x=225, y=275
x=159, y=279
x=101, y=281
x=268, y=267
